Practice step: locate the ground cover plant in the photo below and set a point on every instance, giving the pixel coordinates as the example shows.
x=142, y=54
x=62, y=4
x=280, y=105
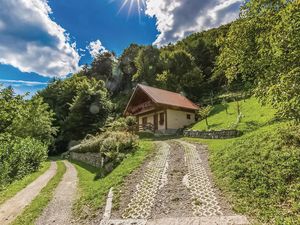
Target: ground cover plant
x=93, y=190
x=36, y=207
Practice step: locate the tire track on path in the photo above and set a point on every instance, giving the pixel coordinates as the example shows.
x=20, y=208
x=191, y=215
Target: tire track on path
x=14, y=206
x=59, y=210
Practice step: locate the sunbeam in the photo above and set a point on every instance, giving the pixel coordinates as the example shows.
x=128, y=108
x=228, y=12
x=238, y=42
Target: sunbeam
x=138, y=4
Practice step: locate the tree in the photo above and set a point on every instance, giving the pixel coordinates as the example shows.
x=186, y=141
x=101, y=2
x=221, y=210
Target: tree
x=102, y=66
x=26, y=118
x=88, y=110
x=180, y=73
x=225, y=105
x=148, y=65
x=204, y=113
x=81, y=106
x=262, y=48
x=127, y=65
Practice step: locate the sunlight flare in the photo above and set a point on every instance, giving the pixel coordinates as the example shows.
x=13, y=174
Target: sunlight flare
x=138, y=4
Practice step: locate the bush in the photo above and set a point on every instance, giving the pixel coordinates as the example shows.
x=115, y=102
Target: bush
x=123, y=124
x=113, y=145
x=262, y=172
x=19, y=157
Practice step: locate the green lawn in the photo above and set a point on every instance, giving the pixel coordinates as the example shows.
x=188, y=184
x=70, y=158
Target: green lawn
x=18, y=185
x=34, y=210
x=254, y=116
x=259, y=172
x=93, y=190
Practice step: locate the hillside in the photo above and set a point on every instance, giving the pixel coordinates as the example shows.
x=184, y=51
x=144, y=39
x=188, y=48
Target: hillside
x=258, y=171
x=254, y=116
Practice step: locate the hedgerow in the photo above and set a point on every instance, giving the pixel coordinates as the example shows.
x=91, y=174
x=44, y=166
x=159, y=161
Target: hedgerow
x=19, y=157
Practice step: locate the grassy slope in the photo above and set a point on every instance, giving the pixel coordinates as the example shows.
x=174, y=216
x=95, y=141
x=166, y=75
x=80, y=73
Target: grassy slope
x=32, y=211
x=254, y=116
x=260, y=171
x=93, y=191
x=18, y=185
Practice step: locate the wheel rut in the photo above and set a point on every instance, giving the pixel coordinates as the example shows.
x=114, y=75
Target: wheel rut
x=14, y=206
x=59, y=210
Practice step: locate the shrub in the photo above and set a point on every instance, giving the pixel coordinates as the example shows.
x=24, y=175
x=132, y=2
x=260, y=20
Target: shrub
x=123, y=124
x=113, y=145
x=19, y=157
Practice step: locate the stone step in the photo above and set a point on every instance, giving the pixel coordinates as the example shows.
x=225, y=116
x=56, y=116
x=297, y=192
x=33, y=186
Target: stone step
x=213, y=220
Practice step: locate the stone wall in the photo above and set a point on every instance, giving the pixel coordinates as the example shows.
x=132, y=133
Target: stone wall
x=222, y=134
x=93, y=159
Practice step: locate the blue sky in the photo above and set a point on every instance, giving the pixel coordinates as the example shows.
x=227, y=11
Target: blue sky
x=42, y=39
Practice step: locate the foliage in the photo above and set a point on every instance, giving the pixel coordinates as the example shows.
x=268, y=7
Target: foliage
x=94, y=191
x=36, y=207
x=25, y=118
x=262, y=49
x=127, y=124
x=81, y=106
x=148, y=65
x=113, y=145
x=204, y=113
x=19, y=157
x=127, y=65
x=13, y=188
x=180, y=74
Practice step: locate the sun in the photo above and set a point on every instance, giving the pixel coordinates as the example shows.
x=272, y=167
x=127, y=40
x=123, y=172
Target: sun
x=139, y=5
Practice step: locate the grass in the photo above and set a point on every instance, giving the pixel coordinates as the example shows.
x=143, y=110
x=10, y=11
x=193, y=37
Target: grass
x=93, y=190
x=254, y=116
x=18, y=185
x=259, y=171
x=36, y=207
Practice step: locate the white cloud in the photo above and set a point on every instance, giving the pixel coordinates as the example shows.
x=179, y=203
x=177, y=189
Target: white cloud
x=22, y=82
x=95, y=47
x=32, y=42
x=178, y=18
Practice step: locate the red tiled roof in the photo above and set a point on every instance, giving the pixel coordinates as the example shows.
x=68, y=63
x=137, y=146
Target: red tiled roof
x=168, y=98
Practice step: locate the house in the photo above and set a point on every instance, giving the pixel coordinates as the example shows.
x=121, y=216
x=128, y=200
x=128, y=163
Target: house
x=160, y=110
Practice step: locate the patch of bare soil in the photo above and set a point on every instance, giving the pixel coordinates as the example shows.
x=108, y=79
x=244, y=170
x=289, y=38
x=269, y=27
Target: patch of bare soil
x=174, y=199
x=204, y=155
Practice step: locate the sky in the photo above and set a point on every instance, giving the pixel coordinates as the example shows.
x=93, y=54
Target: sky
x=43, y=39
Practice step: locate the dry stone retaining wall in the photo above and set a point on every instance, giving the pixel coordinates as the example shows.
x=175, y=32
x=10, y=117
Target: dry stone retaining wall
x=222, y=134
x=93, y=159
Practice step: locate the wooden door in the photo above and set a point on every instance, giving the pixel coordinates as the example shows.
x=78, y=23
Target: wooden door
x=155, y=122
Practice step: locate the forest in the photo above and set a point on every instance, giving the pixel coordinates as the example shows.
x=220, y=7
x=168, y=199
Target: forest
x=258, y=54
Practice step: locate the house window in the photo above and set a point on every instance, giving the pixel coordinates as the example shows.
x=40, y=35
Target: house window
x=161, y=119
x=188, y=116
x=144, y=120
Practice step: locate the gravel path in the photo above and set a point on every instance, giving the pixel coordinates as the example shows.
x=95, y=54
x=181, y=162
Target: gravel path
x=155, y=178
x=174, y=200
x=175, y=188
x=10, y=209
x=59, y=210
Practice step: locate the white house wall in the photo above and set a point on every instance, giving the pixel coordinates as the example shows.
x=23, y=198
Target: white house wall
x=178, y=119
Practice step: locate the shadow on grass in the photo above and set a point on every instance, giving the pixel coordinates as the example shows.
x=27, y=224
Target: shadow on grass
x=94, y=170
x=253, y=126
x=217, y=109
x=211, y=126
